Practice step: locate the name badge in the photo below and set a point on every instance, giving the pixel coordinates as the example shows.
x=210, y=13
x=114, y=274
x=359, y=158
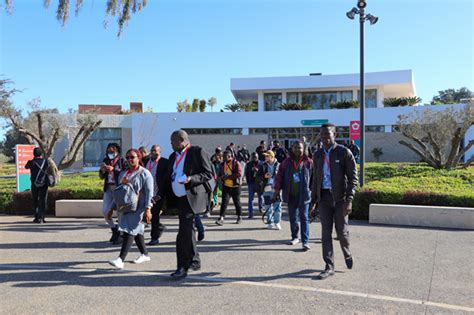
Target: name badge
x=296, y=177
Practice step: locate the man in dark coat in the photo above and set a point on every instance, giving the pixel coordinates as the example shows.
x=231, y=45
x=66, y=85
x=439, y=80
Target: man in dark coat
x=188, y=182
x=334, y=184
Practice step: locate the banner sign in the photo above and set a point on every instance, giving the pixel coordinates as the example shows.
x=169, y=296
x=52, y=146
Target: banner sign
x=24, y=153
x=354, y=131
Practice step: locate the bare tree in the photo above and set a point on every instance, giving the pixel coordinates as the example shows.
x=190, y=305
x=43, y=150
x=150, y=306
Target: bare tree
x=437, y=136
x=122, y=9
x=45, y=127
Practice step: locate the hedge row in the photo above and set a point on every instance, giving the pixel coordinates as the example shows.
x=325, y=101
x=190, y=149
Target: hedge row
x=21, y=203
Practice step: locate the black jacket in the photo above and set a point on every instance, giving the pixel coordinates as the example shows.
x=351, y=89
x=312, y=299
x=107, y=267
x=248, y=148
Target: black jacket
x=34, y=167
x=119, y=167
x=251, y=174
x=197, y=165
x=343, y=173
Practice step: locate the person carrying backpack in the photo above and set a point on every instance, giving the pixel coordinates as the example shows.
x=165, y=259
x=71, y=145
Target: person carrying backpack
x=38, y=167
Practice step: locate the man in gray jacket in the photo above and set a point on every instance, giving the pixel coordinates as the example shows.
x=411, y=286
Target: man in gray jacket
x=334, y=183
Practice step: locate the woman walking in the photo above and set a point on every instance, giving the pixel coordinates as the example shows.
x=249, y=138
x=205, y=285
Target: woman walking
x=131, y=223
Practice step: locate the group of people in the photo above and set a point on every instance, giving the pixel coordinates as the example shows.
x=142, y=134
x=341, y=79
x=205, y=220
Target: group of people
x=190, y=180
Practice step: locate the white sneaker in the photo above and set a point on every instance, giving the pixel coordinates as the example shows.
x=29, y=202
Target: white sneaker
x=270, y=226
x=294, y=241
x=117, y=263
x=141, y=259
x=278, y=226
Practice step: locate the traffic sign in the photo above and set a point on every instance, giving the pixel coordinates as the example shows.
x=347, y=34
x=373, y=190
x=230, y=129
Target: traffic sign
x=314, y=122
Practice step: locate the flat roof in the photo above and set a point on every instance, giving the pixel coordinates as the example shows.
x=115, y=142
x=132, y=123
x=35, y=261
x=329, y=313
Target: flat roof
x=395, y=82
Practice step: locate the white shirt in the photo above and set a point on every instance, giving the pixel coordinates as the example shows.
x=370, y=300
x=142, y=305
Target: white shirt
x=178, y=188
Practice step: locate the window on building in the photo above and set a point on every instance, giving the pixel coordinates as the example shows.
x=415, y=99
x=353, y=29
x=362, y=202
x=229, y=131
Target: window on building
x=375, y=128
x=95, y=146
x=272, y=101
x=214, y=131
x=292, y=98
x=370, y=98
x=395, y=128
x=323, y=100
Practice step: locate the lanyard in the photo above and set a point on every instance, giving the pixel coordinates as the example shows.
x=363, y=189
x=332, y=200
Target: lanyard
x=131, y=172
x=150, y=164
x=297, y=167
x=115, y=161
x=176, y=164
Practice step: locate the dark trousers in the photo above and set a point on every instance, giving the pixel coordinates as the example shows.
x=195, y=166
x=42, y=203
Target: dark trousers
x=332, y=212
x=156, y=227
x=127, y=244
x=186, y=249
x=39, y=195
x=234, y=193
x=198, y=223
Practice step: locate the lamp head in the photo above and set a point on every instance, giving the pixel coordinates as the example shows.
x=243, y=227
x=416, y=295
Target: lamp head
x=351, y=14
x=372, y=19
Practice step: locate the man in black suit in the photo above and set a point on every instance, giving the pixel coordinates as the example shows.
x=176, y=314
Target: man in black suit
x=158, y=167
x=189, y=175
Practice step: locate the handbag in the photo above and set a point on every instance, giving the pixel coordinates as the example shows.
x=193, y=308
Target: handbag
x=125, y=198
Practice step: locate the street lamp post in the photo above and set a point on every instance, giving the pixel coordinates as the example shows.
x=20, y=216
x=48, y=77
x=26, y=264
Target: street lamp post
x=361, y=4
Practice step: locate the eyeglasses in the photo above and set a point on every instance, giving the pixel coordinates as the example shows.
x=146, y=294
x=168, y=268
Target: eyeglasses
x=131, y=157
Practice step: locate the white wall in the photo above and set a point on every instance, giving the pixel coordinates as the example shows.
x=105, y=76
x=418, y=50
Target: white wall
x=156, y=128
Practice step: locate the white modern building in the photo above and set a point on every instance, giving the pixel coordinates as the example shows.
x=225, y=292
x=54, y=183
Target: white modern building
x=320, y=91
x=211, y=129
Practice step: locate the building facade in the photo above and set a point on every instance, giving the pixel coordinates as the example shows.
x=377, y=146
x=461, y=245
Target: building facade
x=212, y=129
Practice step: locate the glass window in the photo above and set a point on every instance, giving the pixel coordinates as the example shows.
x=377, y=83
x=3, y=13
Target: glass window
x=95, y=146
x=213, y=131
x=370, y=98
x=272, y=101
x=375, y=128
x=292, y=98
x=323, y=100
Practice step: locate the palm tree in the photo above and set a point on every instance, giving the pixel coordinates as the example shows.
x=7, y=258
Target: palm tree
x=212, y=102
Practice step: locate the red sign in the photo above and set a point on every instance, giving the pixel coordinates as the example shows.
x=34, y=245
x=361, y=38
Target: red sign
x=354, y=131
x=23, y=155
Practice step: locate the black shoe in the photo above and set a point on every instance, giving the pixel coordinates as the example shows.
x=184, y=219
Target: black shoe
x=239, y=220
x=153, y=242
x=201, y=235
x=36, y=220
x=326, y=273
x=180, y=273
x=349, y=262
x=195, y=266
x=43, y=220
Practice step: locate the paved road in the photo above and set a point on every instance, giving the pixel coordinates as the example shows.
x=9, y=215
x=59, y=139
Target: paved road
x=60, y=267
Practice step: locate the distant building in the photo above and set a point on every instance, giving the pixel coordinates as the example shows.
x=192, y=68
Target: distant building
x=210, y=129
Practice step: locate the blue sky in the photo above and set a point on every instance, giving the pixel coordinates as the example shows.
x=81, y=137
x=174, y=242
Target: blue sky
x=177, y=49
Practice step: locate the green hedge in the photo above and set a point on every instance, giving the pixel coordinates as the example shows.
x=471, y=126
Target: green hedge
x=395, y=183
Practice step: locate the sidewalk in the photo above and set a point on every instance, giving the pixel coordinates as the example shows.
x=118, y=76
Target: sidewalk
x=60, y=267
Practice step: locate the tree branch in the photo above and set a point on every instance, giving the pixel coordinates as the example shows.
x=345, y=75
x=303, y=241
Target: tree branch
x=427, y=151
x=86, y=133
x=420, y=153
x=39, y=119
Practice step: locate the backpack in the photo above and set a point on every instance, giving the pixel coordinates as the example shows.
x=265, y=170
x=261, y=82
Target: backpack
x=40, y=181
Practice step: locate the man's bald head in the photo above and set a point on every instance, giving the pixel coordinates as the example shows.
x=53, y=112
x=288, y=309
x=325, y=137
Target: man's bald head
x=179, y=139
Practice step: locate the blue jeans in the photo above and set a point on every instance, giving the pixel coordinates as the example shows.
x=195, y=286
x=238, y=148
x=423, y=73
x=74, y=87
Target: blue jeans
x=294, y=209
x=273, y=210
x=252, y=191
x=198, y=223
